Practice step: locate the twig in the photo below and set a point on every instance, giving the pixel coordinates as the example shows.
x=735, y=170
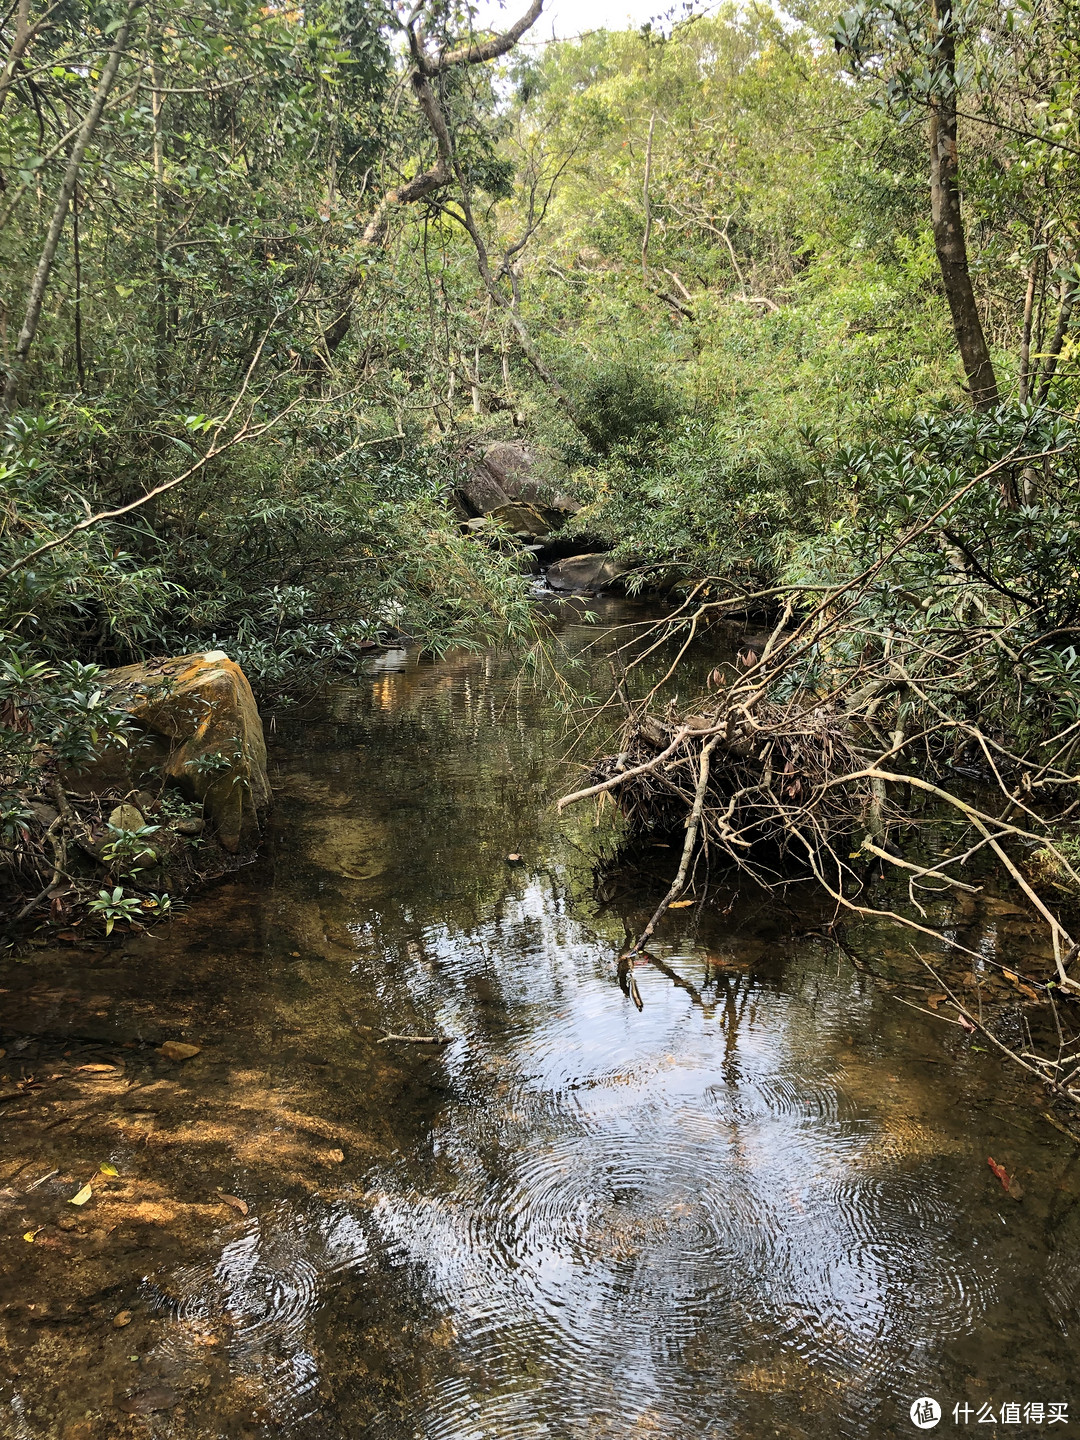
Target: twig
x=416, y=1039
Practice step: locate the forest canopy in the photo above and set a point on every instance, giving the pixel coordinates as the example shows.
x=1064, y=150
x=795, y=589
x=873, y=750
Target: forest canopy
x=696, y=262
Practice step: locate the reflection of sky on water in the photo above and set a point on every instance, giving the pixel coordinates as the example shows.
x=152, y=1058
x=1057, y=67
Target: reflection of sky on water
x=629, y=1185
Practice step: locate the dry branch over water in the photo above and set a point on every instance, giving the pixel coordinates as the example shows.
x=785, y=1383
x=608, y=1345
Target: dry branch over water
x=840, y=749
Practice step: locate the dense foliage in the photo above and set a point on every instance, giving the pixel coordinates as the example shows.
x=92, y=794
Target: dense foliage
x=280, y=267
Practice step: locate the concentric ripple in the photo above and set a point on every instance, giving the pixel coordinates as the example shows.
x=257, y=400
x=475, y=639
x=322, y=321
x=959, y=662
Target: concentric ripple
x=255, y=1302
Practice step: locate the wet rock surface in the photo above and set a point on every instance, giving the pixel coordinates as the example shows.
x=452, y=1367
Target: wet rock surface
x=582, y=573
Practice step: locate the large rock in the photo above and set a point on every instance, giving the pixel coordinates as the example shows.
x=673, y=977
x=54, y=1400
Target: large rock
x=521, y=519
x=511, y=467
x=508, y=472
x=481, y=492
x=196, y=722
x=586, y=572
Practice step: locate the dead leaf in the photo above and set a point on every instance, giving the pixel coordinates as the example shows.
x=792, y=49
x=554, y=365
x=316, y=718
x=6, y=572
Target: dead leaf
x=158, y=1397
x=336, y=1155
x=30, y=1234
x=514, y=859
x=1029, y=992
x=680, y=904
x=965, y=1023
x=999, y=1171
x=1012, y=1187
x=81, y=1196
x=96, y=1069
x=122, y=1318
x=935, y=1000
x=1011, y=975
x=107, y=1169
x=295, y=954
x=177, y=1050
x=234, y=1201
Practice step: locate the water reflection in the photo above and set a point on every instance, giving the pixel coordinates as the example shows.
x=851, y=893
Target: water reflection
x=758, y=1206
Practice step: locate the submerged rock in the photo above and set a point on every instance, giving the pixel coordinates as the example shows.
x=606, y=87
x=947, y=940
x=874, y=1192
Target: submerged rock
x=196, y=722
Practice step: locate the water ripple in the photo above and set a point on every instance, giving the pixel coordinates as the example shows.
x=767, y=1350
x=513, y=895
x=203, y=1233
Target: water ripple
x=255, y=1301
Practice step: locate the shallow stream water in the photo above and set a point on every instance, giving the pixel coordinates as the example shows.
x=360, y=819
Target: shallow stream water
x=758, y=1207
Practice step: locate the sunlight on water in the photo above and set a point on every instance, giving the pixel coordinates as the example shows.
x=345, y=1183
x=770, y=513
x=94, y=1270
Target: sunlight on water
x=759, y=1206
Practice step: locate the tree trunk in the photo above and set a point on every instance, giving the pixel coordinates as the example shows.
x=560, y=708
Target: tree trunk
x=161, y=304
x=1069, y=288
x=949, y=239
x=24, y=34
x=648, y=207
x=40, y=281
x=1025, y=336
x=424, y=68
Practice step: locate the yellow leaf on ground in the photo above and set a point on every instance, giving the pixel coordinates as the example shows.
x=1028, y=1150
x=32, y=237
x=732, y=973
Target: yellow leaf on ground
x=108, y=1169
x=82, y=1196
x=680, y=904
x=177, y=1050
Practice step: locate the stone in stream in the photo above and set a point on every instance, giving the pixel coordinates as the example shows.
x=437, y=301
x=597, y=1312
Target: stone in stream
x=586, y=572
x=195, y=722
x=178, y=1050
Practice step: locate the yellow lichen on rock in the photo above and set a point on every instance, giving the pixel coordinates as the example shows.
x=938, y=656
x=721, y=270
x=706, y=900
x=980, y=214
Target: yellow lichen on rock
x=197, y=723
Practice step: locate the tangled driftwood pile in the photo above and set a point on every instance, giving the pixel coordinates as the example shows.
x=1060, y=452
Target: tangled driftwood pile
x=821, y=749
x=758, y=784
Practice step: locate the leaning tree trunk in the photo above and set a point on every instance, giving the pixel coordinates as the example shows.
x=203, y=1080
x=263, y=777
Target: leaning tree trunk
x=949, y=240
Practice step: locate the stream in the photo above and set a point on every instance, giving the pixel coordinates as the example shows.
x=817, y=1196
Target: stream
x=759, y=1207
